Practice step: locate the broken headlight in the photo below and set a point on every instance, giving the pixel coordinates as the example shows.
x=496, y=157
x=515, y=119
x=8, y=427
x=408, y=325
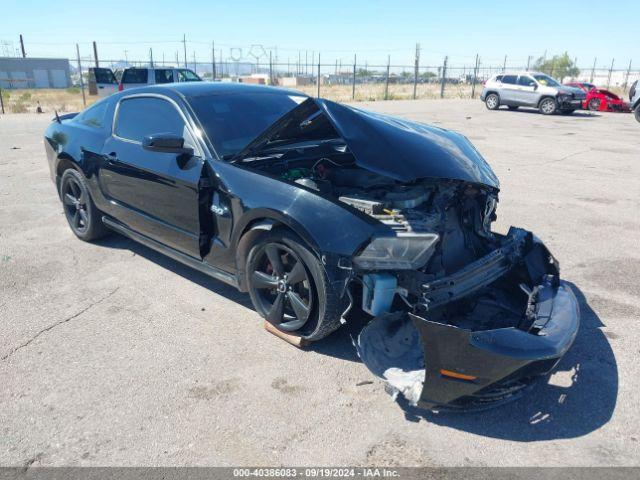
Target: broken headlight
x=406, y=251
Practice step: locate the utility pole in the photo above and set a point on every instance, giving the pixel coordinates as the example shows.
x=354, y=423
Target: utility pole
x=184, y=44
x=84, y=99
x=528, y=62
x=610, y=71
x=593, y=70
x=151, y=57
x=298, y=72
x=353, y=85
x=504, y=65
x=270, y=69
x=95, y=54
x=386, y=85
x=318, y=75
x=126, y=60
x=177, y=59
x=213, y=61
x=195, y=64
x=415, y=72
x=475, y=76
x=444, y=76
x=306, y=62
x=24, y=55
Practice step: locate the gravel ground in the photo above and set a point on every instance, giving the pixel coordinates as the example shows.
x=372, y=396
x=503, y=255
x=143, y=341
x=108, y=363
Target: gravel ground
x=111, y=354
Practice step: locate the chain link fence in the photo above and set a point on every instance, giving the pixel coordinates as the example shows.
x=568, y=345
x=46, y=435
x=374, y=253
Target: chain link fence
x=335, y=80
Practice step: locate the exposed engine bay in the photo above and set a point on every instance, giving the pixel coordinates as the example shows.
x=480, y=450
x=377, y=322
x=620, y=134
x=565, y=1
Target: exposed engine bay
x=469, y=282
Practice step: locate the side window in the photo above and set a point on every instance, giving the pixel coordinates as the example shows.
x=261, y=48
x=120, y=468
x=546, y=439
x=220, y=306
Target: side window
x=185, y=75
x=94, y=116
x=142, y=116
x=164, y=75
x=509, y=79
x=526, y=81
x=134, y=75
x=499, y=78
x=104, y=75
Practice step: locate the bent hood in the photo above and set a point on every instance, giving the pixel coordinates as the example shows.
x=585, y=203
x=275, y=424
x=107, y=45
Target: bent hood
x=390, y=146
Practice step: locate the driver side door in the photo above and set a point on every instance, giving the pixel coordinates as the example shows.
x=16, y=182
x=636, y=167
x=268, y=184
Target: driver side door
x=527, y=94
x=153, y=193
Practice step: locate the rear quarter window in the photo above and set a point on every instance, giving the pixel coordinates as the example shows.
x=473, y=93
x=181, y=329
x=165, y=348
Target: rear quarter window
x=95, y=116
x=135, y=75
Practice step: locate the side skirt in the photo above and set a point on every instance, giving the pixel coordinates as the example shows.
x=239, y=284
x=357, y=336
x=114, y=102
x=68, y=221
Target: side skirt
x=172, y=253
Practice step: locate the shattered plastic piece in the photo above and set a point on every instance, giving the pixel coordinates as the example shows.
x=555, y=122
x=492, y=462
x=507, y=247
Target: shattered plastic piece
x=390, y=348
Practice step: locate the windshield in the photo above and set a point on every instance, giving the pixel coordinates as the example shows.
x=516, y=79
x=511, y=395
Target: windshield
x=232, y=121
x=546, y=80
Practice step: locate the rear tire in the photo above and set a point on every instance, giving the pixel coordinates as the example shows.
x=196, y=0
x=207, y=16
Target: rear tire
x=594, y=104
x=289, y=286
x=84, y=219
x=492, y=101
x=548, y=106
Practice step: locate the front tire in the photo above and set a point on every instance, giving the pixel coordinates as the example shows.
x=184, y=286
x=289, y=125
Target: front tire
x=548, y=106
x=84, y=219
x=289, y=287
x=492, y=102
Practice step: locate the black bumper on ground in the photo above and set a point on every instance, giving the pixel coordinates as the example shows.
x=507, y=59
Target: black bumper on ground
x=438, y=363
x=504, y=359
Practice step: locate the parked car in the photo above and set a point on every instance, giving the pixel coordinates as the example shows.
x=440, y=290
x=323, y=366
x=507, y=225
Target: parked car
x=531, y=89
x=102, y=82
x=600, y=99
x=635, y=100
x=138, y=77
x=315, y=208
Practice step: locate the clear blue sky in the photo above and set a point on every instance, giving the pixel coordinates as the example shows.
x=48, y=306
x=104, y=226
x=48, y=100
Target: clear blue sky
x=338, y=29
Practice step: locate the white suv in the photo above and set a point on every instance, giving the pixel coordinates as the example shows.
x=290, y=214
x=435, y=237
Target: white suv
x=138, y=77
x=531, y=89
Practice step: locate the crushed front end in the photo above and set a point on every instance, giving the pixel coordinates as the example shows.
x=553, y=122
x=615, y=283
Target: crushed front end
x=481, y=315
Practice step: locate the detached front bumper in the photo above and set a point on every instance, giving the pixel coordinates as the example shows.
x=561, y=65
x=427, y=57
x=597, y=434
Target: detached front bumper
x=500, y=361
x=436, y=364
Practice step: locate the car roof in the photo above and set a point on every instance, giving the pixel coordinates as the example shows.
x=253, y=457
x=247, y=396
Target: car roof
x=523, y=72
x=200, y=89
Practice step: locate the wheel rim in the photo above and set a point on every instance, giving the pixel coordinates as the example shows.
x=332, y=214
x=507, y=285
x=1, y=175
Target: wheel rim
x=547, y=106
x=74, y=200
x=282, y=287
x=594, y=104
x=492, y=101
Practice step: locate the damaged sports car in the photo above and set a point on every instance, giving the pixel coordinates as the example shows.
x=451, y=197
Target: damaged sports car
x=318, y=209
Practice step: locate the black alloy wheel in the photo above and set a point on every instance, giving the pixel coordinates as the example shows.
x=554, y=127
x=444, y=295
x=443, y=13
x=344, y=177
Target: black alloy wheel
x=75, y=202
x=282, y=286
x=82, y=215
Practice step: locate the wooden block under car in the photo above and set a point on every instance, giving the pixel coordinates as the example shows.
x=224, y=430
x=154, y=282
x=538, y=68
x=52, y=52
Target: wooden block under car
x=294, y=340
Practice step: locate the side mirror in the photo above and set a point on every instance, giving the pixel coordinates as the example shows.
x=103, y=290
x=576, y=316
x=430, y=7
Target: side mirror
x=535, y=86
x=166, y=143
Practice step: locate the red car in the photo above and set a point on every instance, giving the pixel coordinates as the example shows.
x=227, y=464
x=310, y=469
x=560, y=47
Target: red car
x=599, y=99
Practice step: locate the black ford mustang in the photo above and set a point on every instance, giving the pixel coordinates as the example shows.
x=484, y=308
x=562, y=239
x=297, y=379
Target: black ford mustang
x=315, y=208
